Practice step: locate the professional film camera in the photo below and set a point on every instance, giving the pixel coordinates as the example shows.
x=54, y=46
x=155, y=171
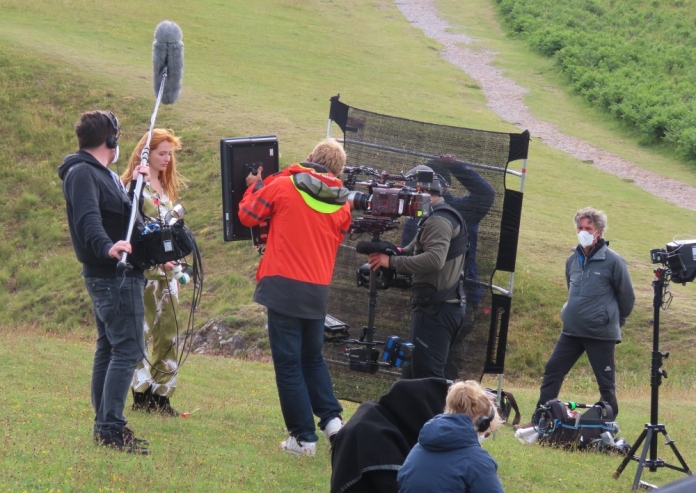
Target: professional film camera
x=680, y=257
x=388, y=197
x=384, y=201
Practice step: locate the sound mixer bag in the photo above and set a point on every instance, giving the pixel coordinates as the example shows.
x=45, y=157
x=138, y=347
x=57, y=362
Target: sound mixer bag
x=559, y=427
x=158, y=245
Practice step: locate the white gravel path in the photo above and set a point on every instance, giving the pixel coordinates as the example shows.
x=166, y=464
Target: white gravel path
x=505, y=98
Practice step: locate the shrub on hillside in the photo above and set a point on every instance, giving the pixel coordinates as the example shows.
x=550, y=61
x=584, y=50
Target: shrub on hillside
x=633, y=59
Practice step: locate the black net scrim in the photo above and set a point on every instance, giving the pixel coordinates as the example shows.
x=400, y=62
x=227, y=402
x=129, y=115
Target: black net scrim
x=477, y=192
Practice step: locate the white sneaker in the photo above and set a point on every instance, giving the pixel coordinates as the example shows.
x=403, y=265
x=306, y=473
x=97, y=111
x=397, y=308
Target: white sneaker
x=293, y=446
x=331, y=429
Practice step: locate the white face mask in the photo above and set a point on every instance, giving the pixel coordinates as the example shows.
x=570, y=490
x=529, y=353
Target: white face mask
x=481, y=438
x=585, y=238
x=115, y=156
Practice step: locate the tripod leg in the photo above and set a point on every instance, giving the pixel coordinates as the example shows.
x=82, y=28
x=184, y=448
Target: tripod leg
x=630, y=454
x=641, y=462
x=670, y=442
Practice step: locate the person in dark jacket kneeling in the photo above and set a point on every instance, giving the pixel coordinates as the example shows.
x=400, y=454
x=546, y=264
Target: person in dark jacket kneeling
x=448, y=456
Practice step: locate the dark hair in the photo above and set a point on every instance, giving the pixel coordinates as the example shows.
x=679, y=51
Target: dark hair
x=93, y=129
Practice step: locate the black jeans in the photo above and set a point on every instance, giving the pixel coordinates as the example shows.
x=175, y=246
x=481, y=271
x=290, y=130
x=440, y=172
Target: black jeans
x=433, y=337
x=566, y=353
x=119, y=313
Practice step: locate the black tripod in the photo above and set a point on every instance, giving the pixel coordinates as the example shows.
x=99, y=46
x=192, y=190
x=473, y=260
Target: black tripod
x=651, y=430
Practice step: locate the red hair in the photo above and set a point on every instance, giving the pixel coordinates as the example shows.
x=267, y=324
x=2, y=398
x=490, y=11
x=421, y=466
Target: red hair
x=172, y=181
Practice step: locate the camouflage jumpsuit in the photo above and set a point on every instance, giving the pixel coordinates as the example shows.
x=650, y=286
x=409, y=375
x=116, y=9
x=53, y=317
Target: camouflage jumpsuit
x=161, y=300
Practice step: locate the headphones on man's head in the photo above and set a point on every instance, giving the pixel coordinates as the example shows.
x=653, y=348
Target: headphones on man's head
x=484, y=422
x=112, y=140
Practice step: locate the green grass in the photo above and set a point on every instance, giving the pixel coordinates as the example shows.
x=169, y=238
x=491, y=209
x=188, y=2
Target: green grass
x=247, y=74
x=43, y=97
x=230, y=442
x=270, y=67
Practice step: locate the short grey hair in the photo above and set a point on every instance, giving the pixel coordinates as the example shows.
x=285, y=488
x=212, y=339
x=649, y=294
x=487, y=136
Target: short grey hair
x=598, y=218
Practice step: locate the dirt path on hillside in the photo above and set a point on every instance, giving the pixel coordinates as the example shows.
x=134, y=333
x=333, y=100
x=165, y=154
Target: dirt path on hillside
x=505, y=98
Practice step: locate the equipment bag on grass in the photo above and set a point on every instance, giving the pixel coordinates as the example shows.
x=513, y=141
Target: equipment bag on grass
x=560, y=426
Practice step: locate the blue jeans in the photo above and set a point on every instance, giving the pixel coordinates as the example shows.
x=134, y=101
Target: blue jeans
x=119, y=313
x=303, y=380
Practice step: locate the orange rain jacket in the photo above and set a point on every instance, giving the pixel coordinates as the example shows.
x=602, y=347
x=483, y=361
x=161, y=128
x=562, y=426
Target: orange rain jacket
x=309, y=218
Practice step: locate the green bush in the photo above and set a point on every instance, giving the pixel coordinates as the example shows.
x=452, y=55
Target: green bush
x=635, y=60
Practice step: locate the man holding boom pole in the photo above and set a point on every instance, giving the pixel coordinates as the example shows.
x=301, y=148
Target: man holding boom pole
x=98, y=207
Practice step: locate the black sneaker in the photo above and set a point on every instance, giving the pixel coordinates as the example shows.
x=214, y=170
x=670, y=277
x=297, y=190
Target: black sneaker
x=163, y=406
x=121, y=441
x=129, y=436
x=141, y=401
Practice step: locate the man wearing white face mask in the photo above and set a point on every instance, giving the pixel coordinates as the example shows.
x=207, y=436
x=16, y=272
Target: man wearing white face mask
x=600, y=299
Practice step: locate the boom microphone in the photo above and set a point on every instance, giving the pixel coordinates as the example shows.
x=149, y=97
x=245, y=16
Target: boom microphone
x=168, y=68
x=168, y=53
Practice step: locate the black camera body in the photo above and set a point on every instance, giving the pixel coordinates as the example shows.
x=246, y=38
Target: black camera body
x=680, y=257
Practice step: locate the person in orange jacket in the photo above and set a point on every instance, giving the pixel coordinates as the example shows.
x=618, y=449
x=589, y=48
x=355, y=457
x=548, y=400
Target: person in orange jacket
x=309, y=216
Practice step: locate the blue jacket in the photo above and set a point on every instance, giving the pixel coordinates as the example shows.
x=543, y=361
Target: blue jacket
x=448, y=458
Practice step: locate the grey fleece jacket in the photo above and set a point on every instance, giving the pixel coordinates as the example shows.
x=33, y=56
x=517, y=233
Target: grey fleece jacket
x=600, y=294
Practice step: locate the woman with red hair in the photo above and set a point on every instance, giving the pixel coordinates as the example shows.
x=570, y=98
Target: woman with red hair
x=153, y=387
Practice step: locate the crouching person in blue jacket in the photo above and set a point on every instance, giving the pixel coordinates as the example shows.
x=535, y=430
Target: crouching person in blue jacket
x=448, y=456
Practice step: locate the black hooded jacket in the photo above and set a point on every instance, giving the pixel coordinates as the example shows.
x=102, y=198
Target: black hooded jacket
x=98, y=212
x=381, y=433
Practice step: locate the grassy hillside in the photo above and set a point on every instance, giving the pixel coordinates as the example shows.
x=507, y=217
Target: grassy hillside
x=632, y=58
x=270, y=67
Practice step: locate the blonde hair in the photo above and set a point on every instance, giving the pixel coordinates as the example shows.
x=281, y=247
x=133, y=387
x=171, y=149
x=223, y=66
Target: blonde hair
x=469, y=398
x=598, y=218
x=171, y=180
x=331, y=155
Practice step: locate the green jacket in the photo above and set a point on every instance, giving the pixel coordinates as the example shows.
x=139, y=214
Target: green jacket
x=425, y=257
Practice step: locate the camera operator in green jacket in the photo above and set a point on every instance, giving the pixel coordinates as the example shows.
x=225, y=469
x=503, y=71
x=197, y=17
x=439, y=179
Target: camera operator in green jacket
x=436, y=258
